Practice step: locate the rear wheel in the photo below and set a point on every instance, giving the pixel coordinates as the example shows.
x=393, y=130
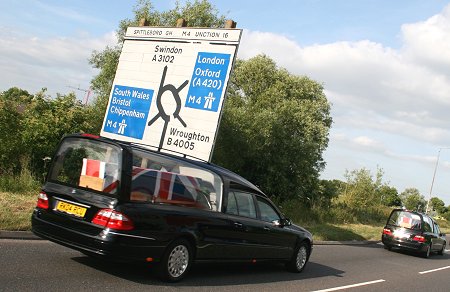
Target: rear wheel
x=441, y=252
x=299, y=259
x=176, y=261
x=427, y=253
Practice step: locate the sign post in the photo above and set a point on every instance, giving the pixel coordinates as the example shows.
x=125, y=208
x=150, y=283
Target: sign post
x=169, y=88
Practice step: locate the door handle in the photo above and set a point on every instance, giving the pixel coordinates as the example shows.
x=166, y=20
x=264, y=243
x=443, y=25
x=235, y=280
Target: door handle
x=266, y=228
x=238, y=225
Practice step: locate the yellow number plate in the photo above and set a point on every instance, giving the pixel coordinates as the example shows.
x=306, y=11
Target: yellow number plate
x=70, y=209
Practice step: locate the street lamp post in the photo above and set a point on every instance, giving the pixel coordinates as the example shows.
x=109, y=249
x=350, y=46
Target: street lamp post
x=434, y=175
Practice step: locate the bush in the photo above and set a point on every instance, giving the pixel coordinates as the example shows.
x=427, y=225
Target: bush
x=21, y=183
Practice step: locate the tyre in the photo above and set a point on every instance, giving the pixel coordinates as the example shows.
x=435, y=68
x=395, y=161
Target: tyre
x=176, y=261
x=299, y=258
x=441, y=252
x=388, y=247
x=427, y=253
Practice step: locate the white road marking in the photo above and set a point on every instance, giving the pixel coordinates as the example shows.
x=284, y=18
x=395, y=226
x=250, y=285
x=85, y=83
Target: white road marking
x=350, y=286
x=435, y=270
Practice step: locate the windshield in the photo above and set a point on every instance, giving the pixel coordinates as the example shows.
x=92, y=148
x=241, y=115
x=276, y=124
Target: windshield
x=87, y=163
x=160, y=179
x=406, y=219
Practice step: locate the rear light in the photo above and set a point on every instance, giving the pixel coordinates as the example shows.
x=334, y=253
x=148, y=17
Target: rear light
x=419, y=238
x=387, y=231
x=42, y=201
x=112, y=219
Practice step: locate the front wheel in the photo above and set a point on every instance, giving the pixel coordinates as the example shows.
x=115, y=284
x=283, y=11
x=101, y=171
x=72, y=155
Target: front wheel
x=176, y=261
x=299, y=258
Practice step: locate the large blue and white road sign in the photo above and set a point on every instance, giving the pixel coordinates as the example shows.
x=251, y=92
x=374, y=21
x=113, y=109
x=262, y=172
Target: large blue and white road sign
x=169, y=88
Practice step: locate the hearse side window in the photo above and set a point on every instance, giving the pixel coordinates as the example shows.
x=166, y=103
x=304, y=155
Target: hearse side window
x=89, y=164
x=242, y=204
x=427, y=224
x=266, y=210
x=158, y=179
x=436, y=229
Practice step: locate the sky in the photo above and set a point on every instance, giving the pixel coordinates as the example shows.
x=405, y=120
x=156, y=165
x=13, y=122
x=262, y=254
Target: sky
x=384, y=65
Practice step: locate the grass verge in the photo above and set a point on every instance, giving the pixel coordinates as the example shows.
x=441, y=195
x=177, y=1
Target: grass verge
x=345, y=232
x=16, y=209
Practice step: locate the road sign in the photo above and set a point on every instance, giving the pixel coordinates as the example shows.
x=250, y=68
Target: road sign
x=169, y=88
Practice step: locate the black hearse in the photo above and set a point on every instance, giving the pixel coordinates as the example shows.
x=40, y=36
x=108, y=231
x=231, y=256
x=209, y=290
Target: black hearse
x=413, y=231
x=128, y=203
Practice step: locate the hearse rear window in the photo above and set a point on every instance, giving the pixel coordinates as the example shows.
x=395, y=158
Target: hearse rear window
x=406, y=219
x=159, y=179
x=87, y=163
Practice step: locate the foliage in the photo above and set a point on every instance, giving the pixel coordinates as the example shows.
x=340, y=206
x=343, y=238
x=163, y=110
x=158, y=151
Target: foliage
x=274, y=129
x=199, y=13
x=390, y=196
x=413, y=200
x=38, y=123
x=364, y=197
x=361, y=190
x=437, y=205
x=24, y=182
x=327, y=191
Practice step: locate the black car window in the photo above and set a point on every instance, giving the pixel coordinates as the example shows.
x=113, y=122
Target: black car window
x=244, y=203
x=232, y=204
x=405, y=219
x=267, y=212
x=162, y=179
x=427, y=224
x=436, y=229
x=88, y=163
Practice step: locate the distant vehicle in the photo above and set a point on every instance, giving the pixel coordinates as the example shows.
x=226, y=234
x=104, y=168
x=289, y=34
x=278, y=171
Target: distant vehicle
x=124, y=202
x=413, y=231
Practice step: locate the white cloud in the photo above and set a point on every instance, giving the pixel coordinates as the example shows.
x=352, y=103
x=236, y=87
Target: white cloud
x=428, y=42
x=374, y=86
x=56, y=63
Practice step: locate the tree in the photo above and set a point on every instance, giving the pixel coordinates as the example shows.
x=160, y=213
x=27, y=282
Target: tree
x=413, y=200
x=363, y=190
x=328, y=190
x=199, y=13
x=274, y=129
x=46, y=121
x=437, y=205
x=389, y=196
x=32, y=125
x=13, y=104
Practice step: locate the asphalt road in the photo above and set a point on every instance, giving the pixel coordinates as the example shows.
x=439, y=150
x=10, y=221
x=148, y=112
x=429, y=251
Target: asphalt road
x=38, y=265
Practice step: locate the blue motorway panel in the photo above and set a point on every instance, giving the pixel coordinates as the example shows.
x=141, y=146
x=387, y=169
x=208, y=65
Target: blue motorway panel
x=208, y=81
x=128, y=111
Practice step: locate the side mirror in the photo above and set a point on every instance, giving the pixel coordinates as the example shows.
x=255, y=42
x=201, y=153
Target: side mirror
x=285, y=222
